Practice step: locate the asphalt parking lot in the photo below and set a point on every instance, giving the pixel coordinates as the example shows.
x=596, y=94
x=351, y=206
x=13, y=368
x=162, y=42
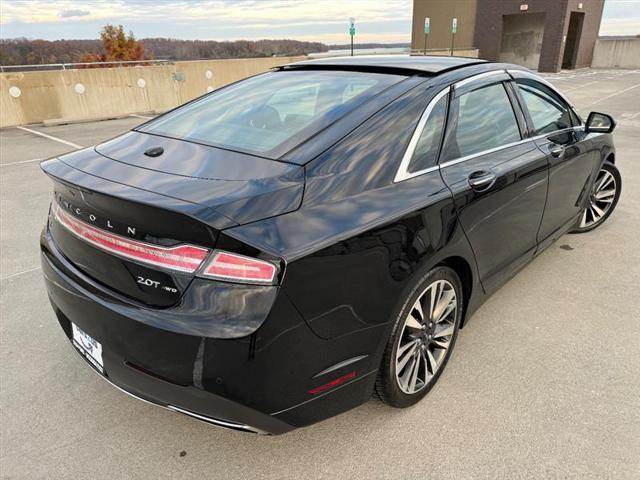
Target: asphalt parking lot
x=544, y=382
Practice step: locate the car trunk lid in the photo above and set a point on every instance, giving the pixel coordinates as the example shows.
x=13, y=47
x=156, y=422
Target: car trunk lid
x=124, y=196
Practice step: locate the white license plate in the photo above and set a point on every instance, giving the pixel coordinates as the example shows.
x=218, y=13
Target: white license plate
x=88, y=346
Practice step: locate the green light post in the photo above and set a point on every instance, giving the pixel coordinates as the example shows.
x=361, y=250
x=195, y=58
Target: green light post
x=352, y=31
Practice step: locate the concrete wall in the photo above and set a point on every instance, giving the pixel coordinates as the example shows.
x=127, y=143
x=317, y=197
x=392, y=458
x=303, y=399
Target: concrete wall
x=617, y=53
x=441, y=12
x=32, y=97
x=522, y=39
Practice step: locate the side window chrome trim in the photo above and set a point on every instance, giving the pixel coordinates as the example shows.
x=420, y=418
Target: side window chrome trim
x=502, y=147
x=514, y=74
x=403, y=170
x=479, y=76
x=403, y=174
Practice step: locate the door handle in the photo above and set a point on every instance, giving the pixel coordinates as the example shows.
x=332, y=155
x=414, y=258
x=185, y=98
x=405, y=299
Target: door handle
x=482, y=180
x=556, y=151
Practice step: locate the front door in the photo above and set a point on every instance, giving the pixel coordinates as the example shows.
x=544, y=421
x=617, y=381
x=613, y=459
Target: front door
x=498, y=178
x=573, y=162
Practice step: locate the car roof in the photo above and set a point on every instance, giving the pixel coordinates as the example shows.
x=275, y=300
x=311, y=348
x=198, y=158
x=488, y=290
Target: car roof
x=410, y=64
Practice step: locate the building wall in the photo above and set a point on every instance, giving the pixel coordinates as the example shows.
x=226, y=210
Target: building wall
x=592, y=18
x=441, y=13
x=489, y=28
x=112, y=92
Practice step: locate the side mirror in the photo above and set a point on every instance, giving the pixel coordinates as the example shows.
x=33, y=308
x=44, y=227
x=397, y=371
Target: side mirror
x=600, y=123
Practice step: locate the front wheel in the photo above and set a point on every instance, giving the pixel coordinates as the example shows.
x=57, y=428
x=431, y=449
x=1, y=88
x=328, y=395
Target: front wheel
x=422, y=339
x=602, y=200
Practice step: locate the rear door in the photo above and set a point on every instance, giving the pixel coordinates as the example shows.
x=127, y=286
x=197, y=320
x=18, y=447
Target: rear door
x=560, y=136
x=497, y=176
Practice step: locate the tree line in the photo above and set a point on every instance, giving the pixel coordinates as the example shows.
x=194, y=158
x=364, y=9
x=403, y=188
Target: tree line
x=23, y=51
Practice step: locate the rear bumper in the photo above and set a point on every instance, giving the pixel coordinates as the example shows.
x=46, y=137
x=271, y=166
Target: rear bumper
x=127, y=372
x=263, y=383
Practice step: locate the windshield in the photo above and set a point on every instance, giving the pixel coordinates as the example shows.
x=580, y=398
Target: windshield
x=271, y=113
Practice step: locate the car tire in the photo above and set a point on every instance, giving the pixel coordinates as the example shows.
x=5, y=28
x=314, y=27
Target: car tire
x=422, y=329
x=608, y=186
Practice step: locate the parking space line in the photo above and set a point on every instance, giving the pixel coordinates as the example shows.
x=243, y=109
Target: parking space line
x=613, y=95
x=20, y=273
x=140, y=116
x=21, y=161
x=588, y=84
x=50, y=137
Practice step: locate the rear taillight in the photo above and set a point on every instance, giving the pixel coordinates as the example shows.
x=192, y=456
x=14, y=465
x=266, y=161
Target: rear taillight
x=182, y=258
x=230, y=266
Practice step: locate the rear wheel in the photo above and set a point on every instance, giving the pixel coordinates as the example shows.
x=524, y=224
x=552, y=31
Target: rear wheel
x=602, y=199
x=422, y=339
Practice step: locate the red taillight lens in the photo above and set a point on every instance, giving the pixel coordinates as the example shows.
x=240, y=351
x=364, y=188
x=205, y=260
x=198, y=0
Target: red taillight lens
x=230, y=266
x=332, y=384
x=183, y=258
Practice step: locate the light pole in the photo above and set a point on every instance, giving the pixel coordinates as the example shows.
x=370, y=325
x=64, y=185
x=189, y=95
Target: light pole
x=352, y=31
x=454, y=30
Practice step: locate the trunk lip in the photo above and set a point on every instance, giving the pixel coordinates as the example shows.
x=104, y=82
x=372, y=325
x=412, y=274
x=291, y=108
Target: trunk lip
x=46, y=167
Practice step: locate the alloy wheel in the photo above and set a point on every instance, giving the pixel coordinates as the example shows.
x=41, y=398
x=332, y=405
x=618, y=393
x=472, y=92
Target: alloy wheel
x=602, y=196
x=426, y=336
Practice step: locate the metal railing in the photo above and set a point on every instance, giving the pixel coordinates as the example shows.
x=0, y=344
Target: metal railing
x=65, y=66
x=439, y=51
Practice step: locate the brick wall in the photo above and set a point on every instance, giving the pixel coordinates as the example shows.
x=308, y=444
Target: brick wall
x=489, y=22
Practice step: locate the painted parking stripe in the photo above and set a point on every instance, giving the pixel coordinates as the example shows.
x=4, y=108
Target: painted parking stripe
x=614, y=94
x=22, y=161
x=20, y=273
x=50, y=137
x=140, y=116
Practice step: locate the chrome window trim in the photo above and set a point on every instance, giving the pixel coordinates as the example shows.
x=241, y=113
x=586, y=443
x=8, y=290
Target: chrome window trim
x=501, y=147
x=448, y=163
x=547, y=83
x=479, y=76
x=403, y=174
x=403, y=170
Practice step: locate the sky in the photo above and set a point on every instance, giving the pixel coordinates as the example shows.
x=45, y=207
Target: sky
x=384, y=21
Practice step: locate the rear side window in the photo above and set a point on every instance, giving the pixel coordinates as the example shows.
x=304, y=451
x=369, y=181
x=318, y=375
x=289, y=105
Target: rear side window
x=481, y=120
x=271, y=113
x=547, y=110
x=425, y=154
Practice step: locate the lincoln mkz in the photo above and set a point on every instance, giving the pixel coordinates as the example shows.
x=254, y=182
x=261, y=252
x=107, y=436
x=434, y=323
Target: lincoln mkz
x=275, y=252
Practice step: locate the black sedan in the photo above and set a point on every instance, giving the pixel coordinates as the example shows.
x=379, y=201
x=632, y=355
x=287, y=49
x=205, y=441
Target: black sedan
x=273, y=253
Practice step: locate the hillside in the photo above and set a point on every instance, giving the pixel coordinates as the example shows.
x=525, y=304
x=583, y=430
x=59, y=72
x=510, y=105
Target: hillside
x=22, y=51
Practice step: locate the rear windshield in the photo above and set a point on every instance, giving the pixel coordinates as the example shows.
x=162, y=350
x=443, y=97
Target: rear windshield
x=271, y=113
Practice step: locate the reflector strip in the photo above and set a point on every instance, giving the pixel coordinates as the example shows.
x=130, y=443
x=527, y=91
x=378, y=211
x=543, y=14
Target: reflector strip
x=183, y=258
x=230, y=266
x=332, y=383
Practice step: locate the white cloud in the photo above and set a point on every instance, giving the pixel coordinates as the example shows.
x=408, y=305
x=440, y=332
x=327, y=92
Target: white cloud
x=620, y=26
x=319, y=11
x=73, y=13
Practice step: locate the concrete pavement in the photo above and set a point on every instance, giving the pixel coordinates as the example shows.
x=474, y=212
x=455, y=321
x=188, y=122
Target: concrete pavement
x=544, y=381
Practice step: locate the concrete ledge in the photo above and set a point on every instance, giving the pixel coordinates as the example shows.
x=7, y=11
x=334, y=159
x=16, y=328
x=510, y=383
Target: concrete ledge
x=59, y=97
x=617, y=53
x=52, y=122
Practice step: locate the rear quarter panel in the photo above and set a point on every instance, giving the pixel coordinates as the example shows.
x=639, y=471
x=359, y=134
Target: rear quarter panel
x=359, y=239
